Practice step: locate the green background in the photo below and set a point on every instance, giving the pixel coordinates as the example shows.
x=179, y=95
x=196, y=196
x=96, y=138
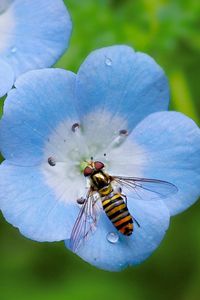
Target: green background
x=168, y=31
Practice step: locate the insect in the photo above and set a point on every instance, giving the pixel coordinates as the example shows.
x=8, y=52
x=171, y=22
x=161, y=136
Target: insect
x=108, y=189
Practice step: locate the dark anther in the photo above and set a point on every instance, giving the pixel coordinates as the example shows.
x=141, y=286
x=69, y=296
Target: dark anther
x=104, y=154
x=123, y=132
x=80, y=200
x=51, y=161
x=75, y=126
x=91, y=158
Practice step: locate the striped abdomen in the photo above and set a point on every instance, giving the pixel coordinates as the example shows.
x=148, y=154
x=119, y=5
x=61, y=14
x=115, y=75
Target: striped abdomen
x=117, y=211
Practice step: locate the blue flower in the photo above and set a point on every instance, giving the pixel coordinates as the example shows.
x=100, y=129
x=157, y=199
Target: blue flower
x=33, y=35
x=113, y=110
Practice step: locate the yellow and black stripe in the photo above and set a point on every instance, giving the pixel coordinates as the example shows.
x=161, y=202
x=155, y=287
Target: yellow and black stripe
x=113, y=203
x=117, y=211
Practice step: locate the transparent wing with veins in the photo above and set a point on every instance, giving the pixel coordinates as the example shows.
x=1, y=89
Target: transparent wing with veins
x=86, y=221
x=155, y=188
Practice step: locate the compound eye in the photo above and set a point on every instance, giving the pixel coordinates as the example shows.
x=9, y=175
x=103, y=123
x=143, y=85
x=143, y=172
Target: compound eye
x=87, y=172
x=98, y=165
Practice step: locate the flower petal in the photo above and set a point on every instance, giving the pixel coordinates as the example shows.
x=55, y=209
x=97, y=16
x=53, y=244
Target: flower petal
x=6, y=78
x=4, y=5
x=171, y=142
x=29, y=204
x=34, y=33
x=153, y=217
x=41, y=101
x=127, y=83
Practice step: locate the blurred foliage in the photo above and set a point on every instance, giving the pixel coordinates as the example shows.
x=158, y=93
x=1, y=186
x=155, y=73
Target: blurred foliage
x=168, y=31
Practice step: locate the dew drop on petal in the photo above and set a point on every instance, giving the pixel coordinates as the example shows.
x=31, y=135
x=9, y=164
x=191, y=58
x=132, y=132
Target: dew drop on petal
x=14, y=50
x=108, y=62
x=51, y=161
x=112, y=237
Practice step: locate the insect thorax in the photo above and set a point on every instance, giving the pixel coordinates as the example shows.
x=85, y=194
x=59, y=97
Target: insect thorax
x=100, y=180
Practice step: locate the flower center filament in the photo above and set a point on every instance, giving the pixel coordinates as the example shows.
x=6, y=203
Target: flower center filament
x=75, y=127
x=52, y=161
x=73, y=145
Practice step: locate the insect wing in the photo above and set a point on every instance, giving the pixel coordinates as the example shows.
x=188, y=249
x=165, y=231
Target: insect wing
x=142, y=186
x=85, y=222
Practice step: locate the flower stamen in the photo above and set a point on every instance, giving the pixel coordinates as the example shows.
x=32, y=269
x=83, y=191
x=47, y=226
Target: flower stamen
x=123, y=132
x=51, y=161
x=80, y=201
x=75, y=127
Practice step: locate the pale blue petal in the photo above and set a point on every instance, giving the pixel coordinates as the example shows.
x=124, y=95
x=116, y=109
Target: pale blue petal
x=36, y=34
x=153, y=217
x=41, y=100
x=6, y=78
x=4, y=4
x=129, y=84
x=171, y=143
x=30, y=205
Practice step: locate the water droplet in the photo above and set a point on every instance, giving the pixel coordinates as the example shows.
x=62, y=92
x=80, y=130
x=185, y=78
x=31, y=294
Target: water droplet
x=51, y=161
x=108, y=61
x=123, y=132
x=75, y=127
x=14, y=50
x=112, y=237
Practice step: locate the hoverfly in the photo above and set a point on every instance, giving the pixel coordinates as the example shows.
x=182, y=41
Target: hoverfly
x=113, y=201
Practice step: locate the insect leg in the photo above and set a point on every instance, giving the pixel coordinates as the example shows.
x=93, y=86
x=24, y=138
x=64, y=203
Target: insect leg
x=125, y=198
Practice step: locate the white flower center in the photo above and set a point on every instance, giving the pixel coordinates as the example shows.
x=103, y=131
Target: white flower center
x=101, y=136
x=7, y=24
